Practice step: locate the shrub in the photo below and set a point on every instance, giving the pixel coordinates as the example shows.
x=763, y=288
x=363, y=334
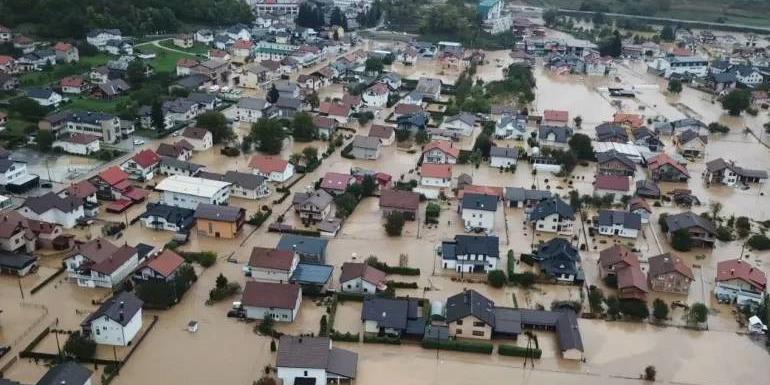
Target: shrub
x=272, y=346
x=398, y=270
x=347, y=337
x=659, y=309
x=496, y=278
x=634, y=309
x=724, y=234
x=323, y=330
x=259, y=218
x=649, y=373
x=525, y=279
x=267, y=325
x=759, y=242
x=402, y=285
x=342, y=297
x=79, y=347
x=394, y=223
x=681, y=240
x=460, y=346
x=203, y=258
x=595, y=299
x=698, y=313
x=518, y=351
x=382, y=340
x=219, y=293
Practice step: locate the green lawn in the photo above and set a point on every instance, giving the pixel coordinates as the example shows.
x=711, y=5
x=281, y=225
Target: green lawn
x=197, y=48
x=55, y=73
x=165, y=60
x=81, y=103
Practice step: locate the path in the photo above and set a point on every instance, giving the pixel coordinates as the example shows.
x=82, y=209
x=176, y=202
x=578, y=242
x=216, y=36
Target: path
x=156, y=43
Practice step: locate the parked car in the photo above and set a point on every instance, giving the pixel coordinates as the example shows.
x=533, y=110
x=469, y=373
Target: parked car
x=138, y=142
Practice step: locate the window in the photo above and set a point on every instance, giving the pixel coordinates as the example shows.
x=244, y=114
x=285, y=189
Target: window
x=478, y=333
x=459, y=331
x=459, y=322
x=305, y=373
x=478, y=324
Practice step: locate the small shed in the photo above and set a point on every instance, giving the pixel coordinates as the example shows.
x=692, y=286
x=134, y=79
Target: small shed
x=192, y=326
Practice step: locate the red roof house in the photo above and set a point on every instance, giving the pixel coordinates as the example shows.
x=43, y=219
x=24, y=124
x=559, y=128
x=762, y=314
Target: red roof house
x=741, y=273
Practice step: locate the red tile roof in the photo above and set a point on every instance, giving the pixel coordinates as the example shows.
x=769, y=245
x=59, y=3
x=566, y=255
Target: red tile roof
x=613, y=182
x=270, y=295
x=556, y=115
x=631, y=277
x=633, y=120
x=617, y=254
x=268, y=163
x=661, y=159
x=483, y=190
x=336, y=181
x=113, y=175
x=186, y=62
x=165, y=263
x=403, y=108
x=242, y=44
x=334, y=109
x=443, y=145
x=80, y=138
x=71, y=81
x=324, y=122
x=4, y=59
x=436, y=171
x=398, y=199
x=82, y=189
x=146, y=158
x=271, y=258
x=737, y=269
x=379, y=89
x=62, y=47
x=363, y=271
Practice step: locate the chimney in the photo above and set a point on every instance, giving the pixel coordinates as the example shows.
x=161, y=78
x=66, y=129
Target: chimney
x=120, y=316
x=122, y=304
x=98, y=244
x=732, y=271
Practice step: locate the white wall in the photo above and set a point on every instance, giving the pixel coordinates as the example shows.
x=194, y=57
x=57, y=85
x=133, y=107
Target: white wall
x=191, y=201
x=622, y=231
x=358, y=285
x=473, y=218
x=105, y=331
x=287, y=375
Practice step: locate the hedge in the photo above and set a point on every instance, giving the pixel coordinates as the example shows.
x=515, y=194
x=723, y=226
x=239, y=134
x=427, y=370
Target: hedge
x=518, y=351
x=342, y=296
x=382, y=340
x=402, y=285
x=203, y=258
x=398, y=270
x=347, y=337
x=460, y=346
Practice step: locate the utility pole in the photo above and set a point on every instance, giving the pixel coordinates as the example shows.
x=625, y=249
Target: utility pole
x=21, y=290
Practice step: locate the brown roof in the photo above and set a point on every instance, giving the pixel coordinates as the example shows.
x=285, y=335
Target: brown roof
x=164, y=263
x=71, y=81
x=334, y=109
x=639, y=203
x=380, y=131
x=336, y=181
x=443, y=145
x=95, y=250
x=80, y=138
x=436, y=171
x=667, y=263
x=146, y=158
x=403, y=108
x=115, y=260
x=632, y=277
x=195, y=133
x=613, y=182
x=737, y=269
x=271, y=258
x=186, y=62
x=617, y=254
x=11, y=222
x=662, y=159
x=324, y=122
x=82, y=189
x=267, y=163
x=270, y=295
x=556, y=115
x=399, y=199
x=364, y=271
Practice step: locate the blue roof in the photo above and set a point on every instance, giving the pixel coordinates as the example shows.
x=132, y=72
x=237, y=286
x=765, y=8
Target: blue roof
x=312, y=274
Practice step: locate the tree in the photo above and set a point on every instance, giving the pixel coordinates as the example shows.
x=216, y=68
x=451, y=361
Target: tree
x=303, y=129
x=595, y=299
x=681, y=240
x=580, y=145
x=221, y=281
x=26, y=108
x=649, y=373
x=675, y=86
x=323, y=329
x=268, y=134
x=79, y=347
x=313, y=100
x=698, y=313
x=634, y=309
x=368, y=185
x=496, y=278
x=394, y=223
x=272, y=94
x=338, y=18
x=135, y=72
x=613, y=306
x=216, y=123
x=345, y=204
x=578, y=121
x=715, y=127
x=374, y=65
x=736, y=102
x=667, y=33
x=550, y=16
x=310, y=155
x=267, y=325
x=598, y=19
x=44, y=140
x=156, y=115
x=483, y=144
x=612, y=46
x=659, y=309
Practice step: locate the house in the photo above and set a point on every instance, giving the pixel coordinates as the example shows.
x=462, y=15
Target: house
x=325, y=126
x=110, y=89
x=68, y=372
x=183, y=40
x=14, y=176
x=7, y=82
x=555, y=118
x=615, y=186
x=354, y=101
x=142, y=166
x=428, y=88
x=392, y=317
x=510, y=126
x=337, y=111
x=17, y=264
x=436, y=175
x=386, y=134
x=100, y=37
x=413, y=122
x=243, y=185
x=690, y=144
x=361, y=278
x=741, y=274
x=611, y=132
x=181, y=150
x=643, y=136
x=99, y=263
x=184, y=66
x=440, y=152
x=405, y=202
x=313, y=207
x=747, y=75
x=105, y=126
x=727, y=173
x=169, y=218
x=287, y=107
x=173, y=166
x=614, y=163
x=313, y=360
x=8, y=64
x=309, y=249
x=72, y=85
x=14, y=233
x=272, y=167
x=52, y=208
x=632, y=283
x=519, y=197
x=6, y=34
x=559, y=260
x=199, y=138
x=478, y=211
x=552, y=215
x=628, y=120
x=722, y=82
x=180, y=110
x=85, y=191
x=249, y=109
x=215, y=220
x=376, y=96
x=117, y=321
x=647, y=189
x=471, y=315
x=279, y=301
x=336, y=183
x=77, y=143
x=620, y=223
x=271, y=265
x=667, y=273
x=503, y=157
x=112, y=184
x=188, y=192
x=556, y=137
x=461, y=124
x=366, y=147
x=702, y=230
x=640, y=207
x=44, y=96
x=470, y=253
x=615, y=258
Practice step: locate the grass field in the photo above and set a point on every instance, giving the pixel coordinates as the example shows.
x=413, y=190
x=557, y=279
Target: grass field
x=165, y=60
x=197, y=49
x=55, y=73
x=82, y=103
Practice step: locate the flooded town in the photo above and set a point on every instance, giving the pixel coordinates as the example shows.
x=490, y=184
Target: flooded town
x=375, y=192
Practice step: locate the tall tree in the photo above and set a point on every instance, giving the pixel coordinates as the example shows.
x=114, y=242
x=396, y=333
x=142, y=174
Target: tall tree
x=667, y=33
x=302, y=127
x=736, y=102
x=216, y=123
x=612, y=46
x=580, y=144
x=272, y=95
x=156, y=115
x=268, y=134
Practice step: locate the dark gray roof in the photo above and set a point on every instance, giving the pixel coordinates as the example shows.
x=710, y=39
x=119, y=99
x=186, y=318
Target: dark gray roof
x=315, y=353
x=507, y=320
x=304, y=245
x=477, y=244
x=611, y=155
x=687, y=220
x=120, y=308
x=290, y=103
x=561, y=133
x=606, y=131
x=647, y=187
x=342, y=362
x=479, y=202
x=193, y=81
x=15, y=261
x=626, y=219
x=179, y=164
x=50, y=200
x=550, y=206
x=568, y=331
x=519, y=194
x=202, y=98
x=719, y=164
x=724, y=77
x=6, y=163
x=244, y=180
x=464, y=117
x=311, y=274
x=5, y=381
x=39, y=93
x=504, y=152
x=252, y=103
x=557, y=257
x=218, y=212
x=688, y=135
x=470, y=302
x=69, y=373
x=89, y=117
x=180, y=216
x=389, y=313
x=318, y=198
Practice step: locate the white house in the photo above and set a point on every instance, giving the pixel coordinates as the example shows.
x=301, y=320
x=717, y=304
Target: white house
x=78, y=144
x=168, y=218
x=460, y=124
x=553, y=215
x=361, y=278
x=680, y=65
x=503, y=156
x=200, y=138
x=52, y=208
x=747, y=75
x=313, y=360
x=440, y=152
x=376, y=96
x=249, y=109
x=478, y=211
x=99, y=263
x=436, y=175
x=279, y=301
x=511, y=127
x=44, y=97
x=271, y=265
x=142, y=166
x=620, y=223
x=100, y=37
x=188, y=192
x=272, y=167
x=116, y=322
x=12, y=172
x=470, y=253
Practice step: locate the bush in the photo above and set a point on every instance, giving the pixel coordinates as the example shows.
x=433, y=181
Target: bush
x=203, y=258
x=259, y=218
x=394, y=223
x=323, y=329
x=219, y=293
x=518, y=351
x=649, y=373
x=525, y=279
x=724, y=234
x=267, y=326
x=382, y=340
x=698, y=313
x=496, y=278
x=398, y=270
x=659, y=309
x=79, y=347
x=460, y=346
x=759, y=242
x=402, y=285
x=634, y=309
x=595, y=299
x=347, y=337
x=342, y=297
x=681, y=240
x=432, y=212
